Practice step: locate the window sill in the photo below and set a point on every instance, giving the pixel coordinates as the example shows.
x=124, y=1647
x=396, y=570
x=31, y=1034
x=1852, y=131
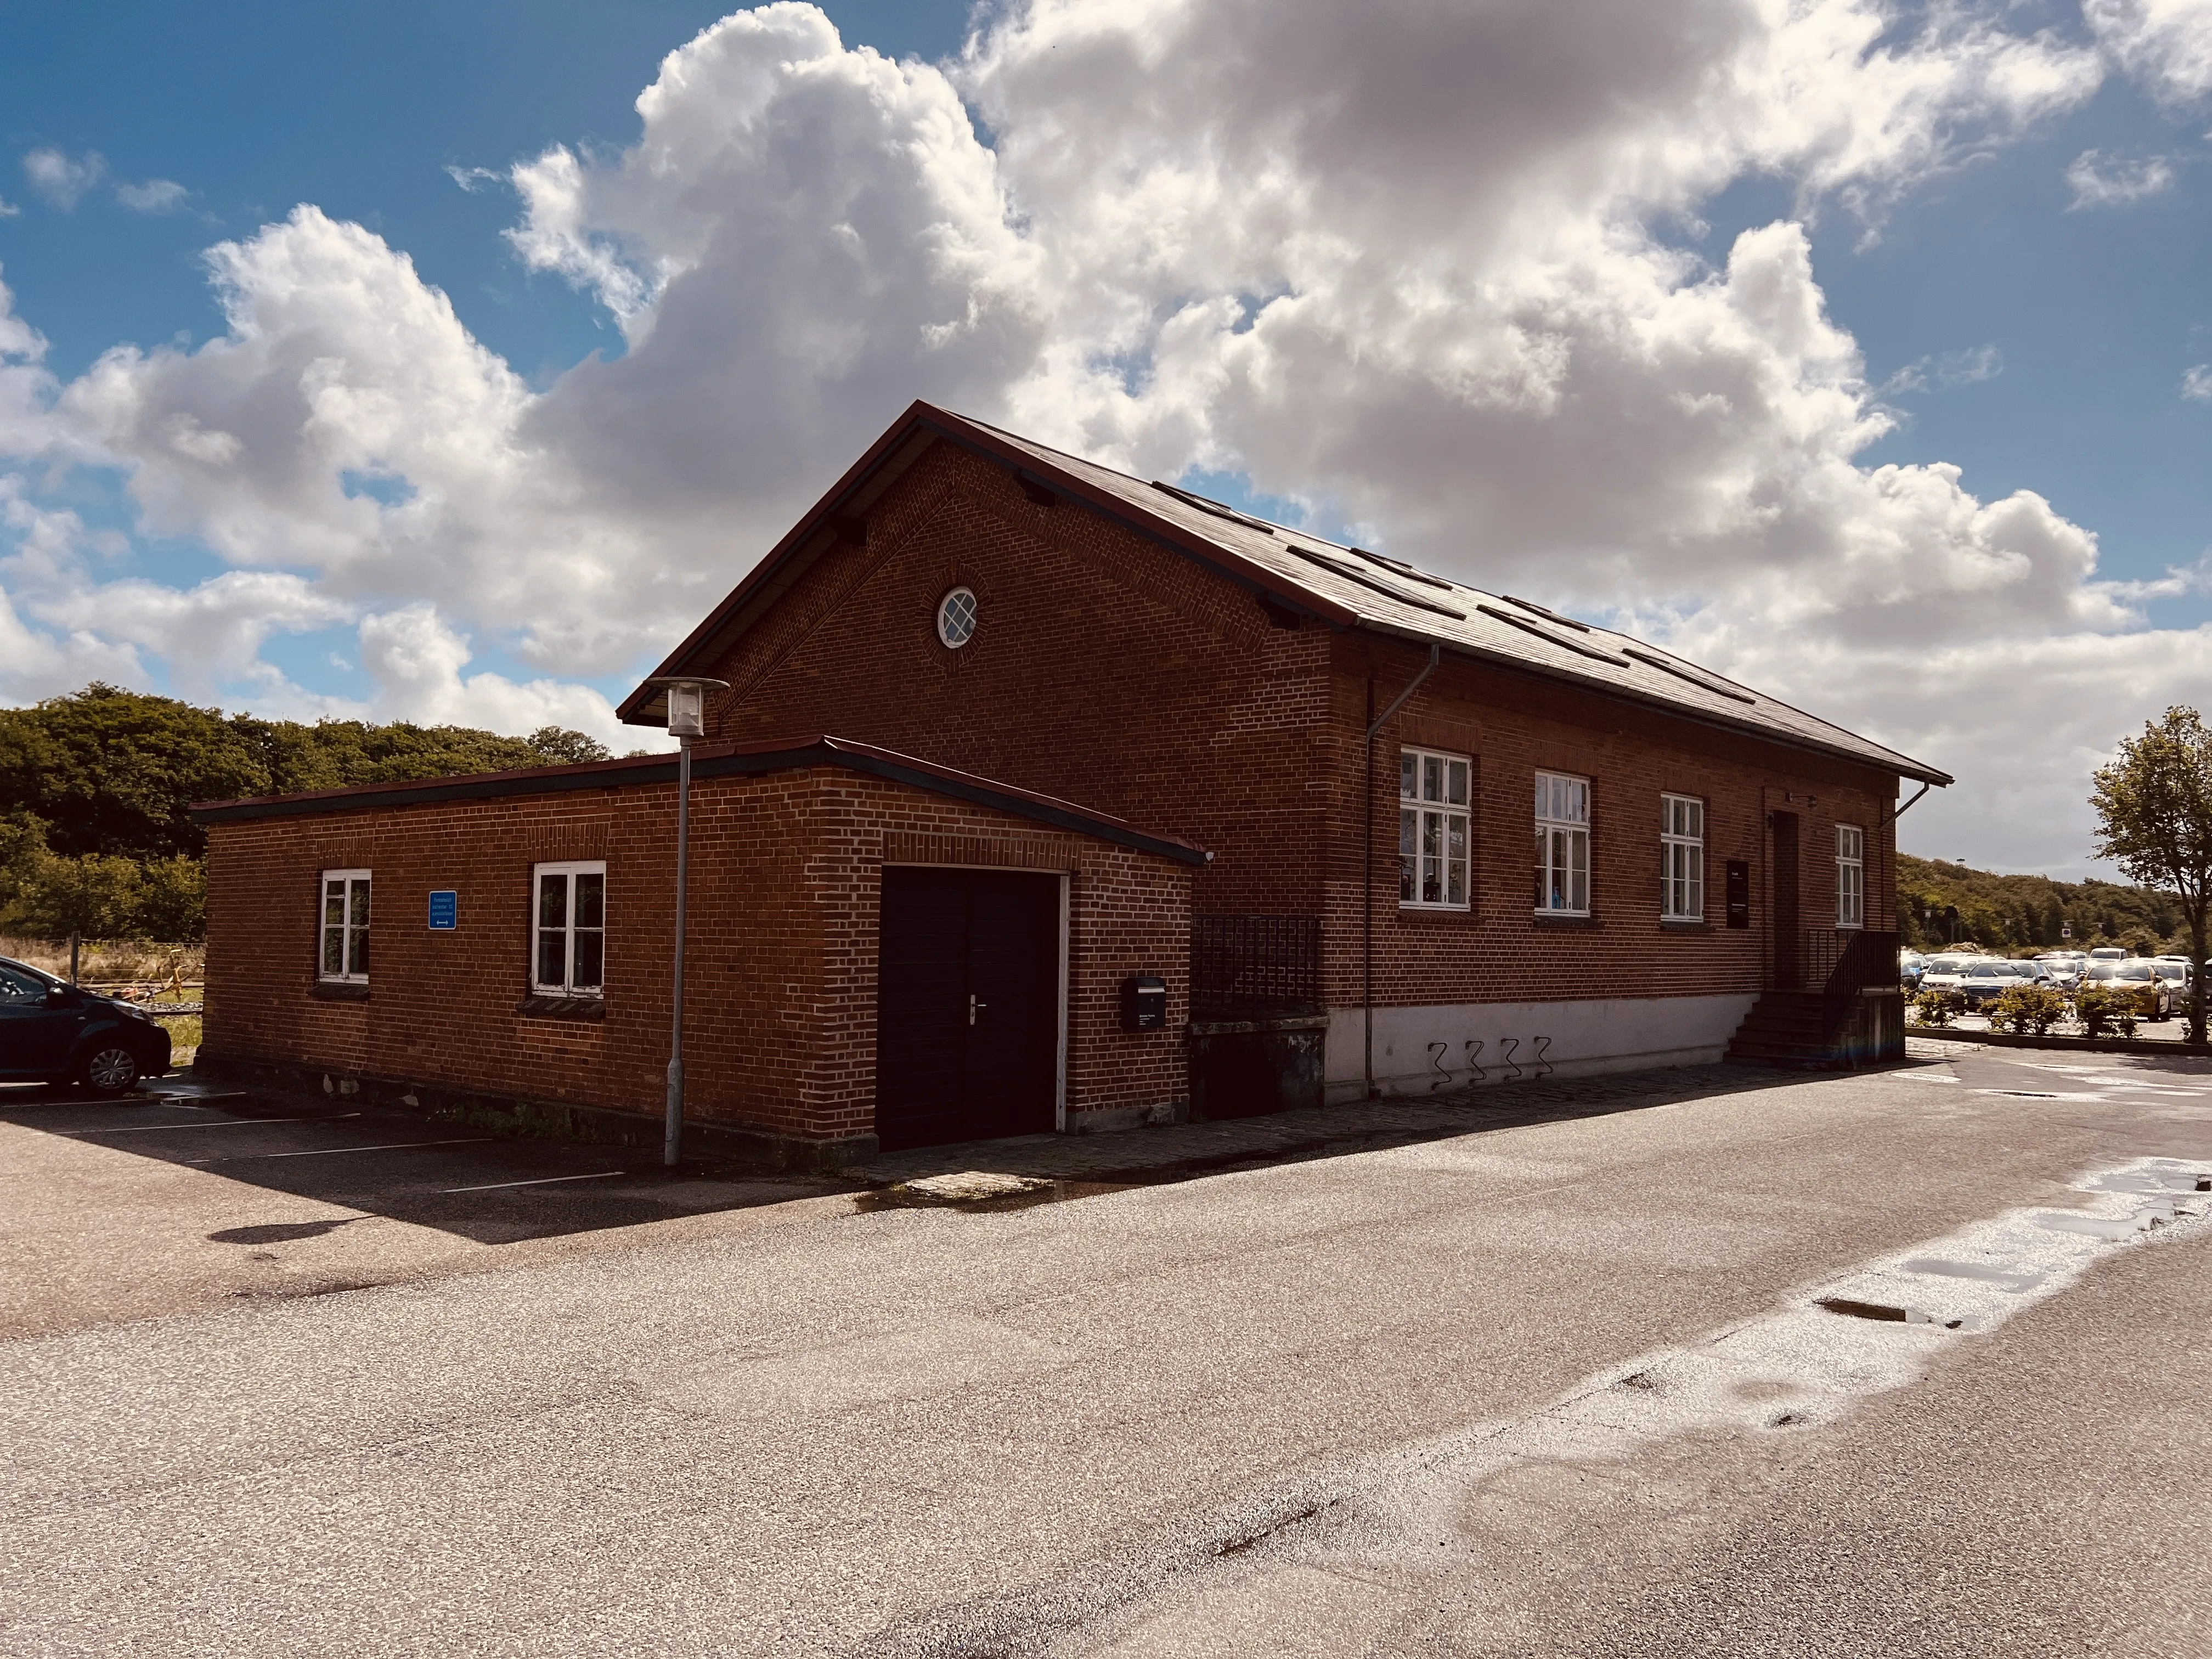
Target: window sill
x=1543, y=920
x=545, y=1007
x=338, y=990
x=1683, y=925
x=1440, y=911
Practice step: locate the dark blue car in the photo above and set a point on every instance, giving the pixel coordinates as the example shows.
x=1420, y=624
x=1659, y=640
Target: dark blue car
x=52, y=1032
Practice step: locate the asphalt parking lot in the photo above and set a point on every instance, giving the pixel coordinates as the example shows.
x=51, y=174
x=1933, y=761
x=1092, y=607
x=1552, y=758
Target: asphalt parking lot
x=185, y=1194
x=1897, y=1364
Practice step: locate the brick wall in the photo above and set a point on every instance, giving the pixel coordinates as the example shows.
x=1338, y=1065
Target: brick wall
x=786, y=875
x=1104, y=669
x=1118, y=673
x=1513, y=726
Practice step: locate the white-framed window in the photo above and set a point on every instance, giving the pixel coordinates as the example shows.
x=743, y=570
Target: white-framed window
x=955, y=619
x=346, y=926
x=1432, y=829
x=569, y=953
x=1850, y=876
x=1562, y=845
x=1681, y=858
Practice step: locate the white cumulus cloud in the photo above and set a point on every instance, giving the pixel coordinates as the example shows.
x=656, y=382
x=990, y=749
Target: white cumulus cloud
x=62, y=179
x=418, y=660
x=153, y=195
x=2166, y=44
x=1415, y=268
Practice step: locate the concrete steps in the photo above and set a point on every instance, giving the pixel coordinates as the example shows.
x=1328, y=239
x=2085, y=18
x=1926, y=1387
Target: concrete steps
x=1784, y=1029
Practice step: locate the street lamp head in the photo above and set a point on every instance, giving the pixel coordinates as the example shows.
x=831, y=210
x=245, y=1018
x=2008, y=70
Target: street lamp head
x=686, y=698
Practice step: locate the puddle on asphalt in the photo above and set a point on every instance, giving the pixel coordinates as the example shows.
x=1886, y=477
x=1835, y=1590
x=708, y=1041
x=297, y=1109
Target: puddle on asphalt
x=2149, y=1181
x=1977, y=1271
x=976, y=1197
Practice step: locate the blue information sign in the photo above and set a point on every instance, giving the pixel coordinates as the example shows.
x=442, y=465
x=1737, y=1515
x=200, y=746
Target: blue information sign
x=444, y=912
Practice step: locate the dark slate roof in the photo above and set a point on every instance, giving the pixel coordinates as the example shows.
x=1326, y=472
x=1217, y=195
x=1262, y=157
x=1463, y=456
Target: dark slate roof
x=1345, y=586
x=712, y=759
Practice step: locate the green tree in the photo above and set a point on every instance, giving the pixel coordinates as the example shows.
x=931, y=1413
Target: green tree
x=559, y=746
x=2154, y=820
x=22, y=844
x=172, y=900
x=95, y=788
x=95, y=897
x=111, y=771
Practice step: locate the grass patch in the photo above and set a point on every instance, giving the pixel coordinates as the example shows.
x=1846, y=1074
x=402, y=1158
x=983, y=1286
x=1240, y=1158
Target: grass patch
x=184, y=1030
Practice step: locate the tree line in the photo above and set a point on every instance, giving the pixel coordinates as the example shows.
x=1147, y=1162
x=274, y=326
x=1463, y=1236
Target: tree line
x=94, y=836
x=1940, y=903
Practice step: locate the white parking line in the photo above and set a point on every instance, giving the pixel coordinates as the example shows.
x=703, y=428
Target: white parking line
x=327, y=1152
x=226, y=1123
x=543, y=1181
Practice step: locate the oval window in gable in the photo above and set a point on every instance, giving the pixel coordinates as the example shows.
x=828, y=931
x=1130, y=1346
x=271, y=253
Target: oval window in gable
x=955, y=619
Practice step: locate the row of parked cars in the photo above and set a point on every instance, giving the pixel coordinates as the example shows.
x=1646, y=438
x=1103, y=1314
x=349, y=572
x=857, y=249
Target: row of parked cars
x=2159, y=985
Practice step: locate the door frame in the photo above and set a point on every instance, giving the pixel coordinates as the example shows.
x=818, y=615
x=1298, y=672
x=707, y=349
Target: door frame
x=1060, y=1040
x=1066, y=878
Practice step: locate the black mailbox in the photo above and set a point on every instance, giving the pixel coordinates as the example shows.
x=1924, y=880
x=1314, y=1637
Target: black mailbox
x=1144, y=1003
x=1739, y=893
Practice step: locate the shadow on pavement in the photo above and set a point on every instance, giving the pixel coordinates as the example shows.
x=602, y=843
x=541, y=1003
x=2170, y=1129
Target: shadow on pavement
x=493, y=1190
x=397, y=1165
x=1185, y=1150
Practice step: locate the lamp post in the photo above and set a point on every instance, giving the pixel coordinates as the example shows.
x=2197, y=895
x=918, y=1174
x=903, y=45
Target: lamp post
x=687, y=719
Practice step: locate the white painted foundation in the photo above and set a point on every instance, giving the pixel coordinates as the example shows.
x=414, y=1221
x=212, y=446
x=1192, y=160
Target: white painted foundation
x=1612, y=1035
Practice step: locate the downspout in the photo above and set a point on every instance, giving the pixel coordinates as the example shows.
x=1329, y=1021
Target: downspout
x=1908, y=805
x=1890, y=824
x=1375, y=723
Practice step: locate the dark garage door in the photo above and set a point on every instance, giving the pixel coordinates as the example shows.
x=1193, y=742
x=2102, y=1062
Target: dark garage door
x=968, y=1005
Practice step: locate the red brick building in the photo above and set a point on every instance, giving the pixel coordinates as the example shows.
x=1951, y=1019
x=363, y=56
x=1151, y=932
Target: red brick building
x=1453, y=835
x=514, y=961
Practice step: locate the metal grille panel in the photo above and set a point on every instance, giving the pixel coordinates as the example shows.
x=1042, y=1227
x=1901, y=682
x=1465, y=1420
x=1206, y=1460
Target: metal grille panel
x=1251, y=967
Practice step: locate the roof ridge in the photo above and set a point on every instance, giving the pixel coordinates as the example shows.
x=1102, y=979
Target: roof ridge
x=1265, y=557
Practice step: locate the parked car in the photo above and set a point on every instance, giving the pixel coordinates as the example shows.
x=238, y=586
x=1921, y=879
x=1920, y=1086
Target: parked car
x=1909, y=966
x=2178, y=972
x=2064, y=967
x=2154, y=996
x=54, y=1032
x=1985, y=980
x=2108, y=953
x=1944, y=973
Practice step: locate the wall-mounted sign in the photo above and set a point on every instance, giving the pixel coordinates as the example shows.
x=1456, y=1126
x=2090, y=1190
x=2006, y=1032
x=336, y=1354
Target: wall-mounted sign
x=1739, y=893
x=445, y=911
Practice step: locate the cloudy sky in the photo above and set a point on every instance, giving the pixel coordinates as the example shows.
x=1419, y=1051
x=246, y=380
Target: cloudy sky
x=447, y=362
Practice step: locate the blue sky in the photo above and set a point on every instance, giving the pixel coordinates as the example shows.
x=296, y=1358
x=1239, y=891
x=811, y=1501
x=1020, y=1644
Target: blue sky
x=2017, y=320
x=364, y=112
x=361, y=111
x=2095, y=315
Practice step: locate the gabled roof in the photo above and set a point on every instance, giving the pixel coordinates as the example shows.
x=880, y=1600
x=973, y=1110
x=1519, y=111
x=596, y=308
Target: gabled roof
x=712, y=759
x=1346, y=587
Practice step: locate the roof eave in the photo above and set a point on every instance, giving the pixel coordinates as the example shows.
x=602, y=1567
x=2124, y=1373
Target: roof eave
x=713, y=761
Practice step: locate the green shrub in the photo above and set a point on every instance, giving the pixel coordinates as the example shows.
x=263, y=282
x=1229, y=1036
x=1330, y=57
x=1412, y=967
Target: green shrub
x=2104, y=1010
x=1935, y=1006
x=2028, y=1009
